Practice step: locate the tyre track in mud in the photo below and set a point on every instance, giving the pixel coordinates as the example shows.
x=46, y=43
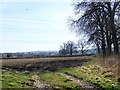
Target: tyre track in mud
x=83, y=84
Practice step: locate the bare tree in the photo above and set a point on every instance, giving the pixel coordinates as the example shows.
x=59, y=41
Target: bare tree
x=71, y=47
x=68, y=48
x=63, y=49
x=82, y=45
x=98, y=22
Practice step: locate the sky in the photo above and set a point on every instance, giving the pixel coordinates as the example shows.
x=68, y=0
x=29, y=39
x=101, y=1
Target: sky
x=35, y=26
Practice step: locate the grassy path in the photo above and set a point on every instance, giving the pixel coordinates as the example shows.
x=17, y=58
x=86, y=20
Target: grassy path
x=82, y=83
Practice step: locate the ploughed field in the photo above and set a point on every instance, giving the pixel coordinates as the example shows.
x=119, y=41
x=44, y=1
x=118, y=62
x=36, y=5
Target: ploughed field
x=43, y=64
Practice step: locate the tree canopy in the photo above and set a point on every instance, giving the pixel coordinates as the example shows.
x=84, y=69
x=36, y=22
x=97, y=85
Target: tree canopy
x=100, y=21
x=68, y=48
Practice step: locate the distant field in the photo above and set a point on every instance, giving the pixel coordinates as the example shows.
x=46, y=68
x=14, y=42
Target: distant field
x=43, y=63
x=12, y=62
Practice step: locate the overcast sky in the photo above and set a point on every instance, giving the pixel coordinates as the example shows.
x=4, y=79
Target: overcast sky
x=34, y=26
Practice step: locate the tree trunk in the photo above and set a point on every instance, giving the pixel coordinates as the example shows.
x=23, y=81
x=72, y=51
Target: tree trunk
x=82, y=51
x=103, y=39
x=114, y=34
x=71, y=51
x=108, y=38
x=98, y=47
x=103, y=44
x=112, y=27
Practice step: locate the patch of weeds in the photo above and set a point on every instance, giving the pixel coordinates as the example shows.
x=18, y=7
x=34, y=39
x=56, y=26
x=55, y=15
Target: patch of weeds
x=13, y=79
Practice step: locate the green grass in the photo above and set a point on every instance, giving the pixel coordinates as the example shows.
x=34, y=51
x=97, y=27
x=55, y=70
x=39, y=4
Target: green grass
x=58, y=81
x=93, y=74
x=13, y=79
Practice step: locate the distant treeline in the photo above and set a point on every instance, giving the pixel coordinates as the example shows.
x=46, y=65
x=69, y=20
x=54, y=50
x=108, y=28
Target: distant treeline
x=39, y=54
x=34, y=54
x=48, y=56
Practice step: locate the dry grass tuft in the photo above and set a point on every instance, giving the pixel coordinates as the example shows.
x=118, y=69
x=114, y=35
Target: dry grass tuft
x=110, y=66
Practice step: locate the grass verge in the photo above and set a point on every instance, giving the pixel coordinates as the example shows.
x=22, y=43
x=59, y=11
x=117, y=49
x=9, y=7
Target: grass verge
x=95, y=74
